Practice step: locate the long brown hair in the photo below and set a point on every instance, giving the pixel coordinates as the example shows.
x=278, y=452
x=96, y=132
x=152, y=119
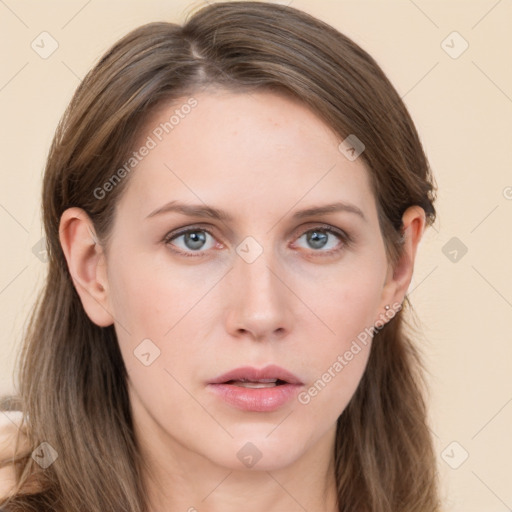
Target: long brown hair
x=72, y=377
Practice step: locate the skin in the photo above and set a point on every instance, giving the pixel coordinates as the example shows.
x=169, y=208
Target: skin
x=261, y=158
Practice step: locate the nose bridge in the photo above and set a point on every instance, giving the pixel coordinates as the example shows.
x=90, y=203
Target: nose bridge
x=255, y=268
x=258, y=275
x=260, y=301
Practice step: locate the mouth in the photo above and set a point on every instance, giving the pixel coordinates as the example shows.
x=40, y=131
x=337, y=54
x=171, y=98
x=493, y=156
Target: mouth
x=256, y=390
x=258, y=384
x=271, y=375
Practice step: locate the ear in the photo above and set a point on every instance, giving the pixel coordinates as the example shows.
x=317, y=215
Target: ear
x=87, y=264
x=399, y=277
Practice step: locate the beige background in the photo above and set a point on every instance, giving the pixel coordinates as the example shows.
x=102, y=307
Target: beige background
x=463, y=110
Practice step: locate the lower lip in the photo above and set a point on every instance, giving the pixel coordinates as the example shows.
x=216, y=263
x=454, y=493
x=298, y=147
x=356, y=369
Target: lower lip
x=256, y=399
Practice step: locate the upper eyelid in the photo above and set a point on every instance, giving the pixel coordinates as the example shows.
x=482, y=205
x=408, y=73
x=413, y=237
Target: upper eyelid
x=183, y=231
x=345, y=237
x=208, y=229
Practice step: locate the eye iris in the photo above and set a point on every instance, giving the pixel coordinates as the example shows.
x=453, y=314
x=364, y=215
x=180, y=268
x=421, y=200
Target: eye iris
x=317, y=239
x=194, y=239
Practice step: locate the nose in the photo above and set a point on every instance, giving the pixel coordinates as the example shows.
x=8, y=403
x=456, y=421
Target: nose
x=260, y=302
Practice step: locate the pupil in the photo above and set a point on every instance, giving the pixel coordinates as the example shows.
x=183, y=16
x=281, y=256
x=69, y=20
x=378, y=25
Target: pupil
x=195, y=239
x=317, y=239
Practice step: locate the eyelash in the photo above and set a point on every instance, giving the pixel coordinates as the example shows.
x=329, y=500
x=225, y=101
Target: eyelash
x=344, y=238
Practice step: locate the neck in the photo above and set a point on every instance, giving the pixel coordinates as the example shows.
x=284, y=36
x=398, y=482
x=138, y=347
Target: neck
x=178, y=480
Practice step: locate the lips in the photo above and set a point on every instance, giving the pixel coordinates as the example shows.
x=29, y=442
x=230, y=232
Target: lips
x=269, y=374
x=256, y=390
x=261, y=383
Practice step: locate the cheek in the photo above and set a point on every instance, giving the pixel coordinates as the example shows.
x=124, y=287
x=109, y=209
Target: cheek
x=146, y=296
x=348, y=301
x=347, y=307
x=144, y=305
x=151, y=300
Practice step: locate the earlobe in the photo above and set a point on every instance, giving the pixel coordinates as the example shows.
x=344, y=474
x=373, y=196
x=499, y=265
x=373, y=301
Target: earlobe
x=87, y=264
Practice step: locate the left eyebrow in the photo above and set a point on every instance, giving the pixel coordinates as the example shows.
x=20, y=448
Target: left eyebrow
x=329, y=208
x=198, y=210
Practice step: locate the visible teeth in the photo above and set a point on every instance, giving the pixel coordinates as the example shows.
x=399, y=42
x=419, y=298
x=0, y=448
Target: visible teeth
x=263, y=383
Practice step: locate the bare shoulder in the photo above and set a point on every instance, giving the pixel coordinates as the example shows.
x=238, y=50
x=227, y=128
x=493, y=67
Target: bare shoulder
x=10, y=434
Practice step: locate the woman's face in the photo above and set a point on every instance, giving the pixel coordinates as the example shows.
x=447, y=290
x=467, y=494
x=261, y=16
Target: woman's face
x=261, y=281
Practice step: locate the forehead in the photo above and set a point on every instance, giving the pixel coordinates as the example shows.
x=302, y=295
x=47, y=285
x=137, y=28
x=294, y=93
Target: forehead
x=261, y=149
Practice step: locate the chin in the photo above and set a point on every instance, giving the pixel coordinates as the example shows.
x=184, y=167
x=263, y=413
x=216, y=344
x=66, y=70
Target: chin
x=257, y=450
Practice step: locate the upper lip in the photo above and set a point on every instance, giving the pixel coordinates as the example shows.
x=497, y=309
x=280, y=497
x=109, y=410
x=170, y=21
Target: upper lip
x=254, y=374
